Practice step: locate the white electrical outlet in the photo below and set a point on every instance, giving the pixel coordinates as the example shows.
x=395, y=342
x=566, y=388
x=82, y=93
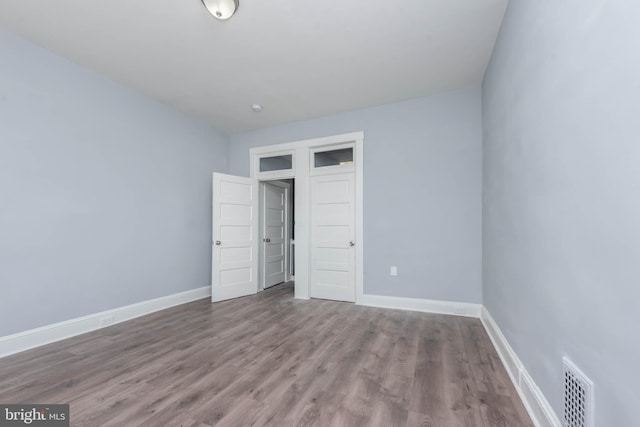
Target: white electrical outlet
x=394, y=270
x=107, y=320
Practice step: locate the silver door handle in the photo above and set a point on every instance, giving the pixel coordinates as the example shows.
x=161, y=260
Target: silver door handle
x=266, y=239
x=218, y=242
x=352, y=243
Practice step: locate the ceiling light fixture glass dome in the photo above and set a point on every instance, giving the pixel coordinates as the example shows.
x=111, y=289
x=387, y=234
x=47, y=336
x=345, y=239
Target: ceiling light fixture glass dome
x=221, y=9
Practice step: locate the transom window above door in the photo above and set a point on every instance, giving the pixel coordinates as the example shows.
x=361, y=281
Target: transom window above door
x=339, y=158
x=275, y=165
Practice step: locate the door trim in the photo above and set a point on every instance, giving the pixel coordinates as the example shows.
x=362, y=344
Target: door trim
x=301, y=171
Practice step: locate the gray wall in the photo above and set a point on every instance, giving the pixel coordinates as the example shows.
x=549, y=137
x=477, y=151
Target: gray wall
x=104, y=194
x=422, y=191
x=562, y=195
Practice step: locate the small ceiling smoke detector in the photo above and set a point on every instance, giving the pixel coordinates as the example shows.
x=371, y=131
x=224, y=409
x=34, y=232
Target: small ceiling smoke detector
x=256, y=108
x=221, y=9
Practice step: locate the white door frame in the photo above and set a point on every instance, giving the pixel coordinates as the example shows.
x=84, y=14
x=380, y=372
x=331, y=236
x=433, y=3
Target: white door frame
x=287, y=238
x=301, y=171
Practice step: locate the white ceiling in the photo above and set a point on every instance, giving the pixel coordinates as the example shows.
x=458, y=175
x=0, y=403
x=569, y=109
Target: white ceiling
x=299, y=58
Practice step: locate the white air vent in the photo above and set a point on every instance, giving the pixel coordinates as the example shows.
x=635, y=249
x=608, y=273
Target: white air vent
x=578, y=396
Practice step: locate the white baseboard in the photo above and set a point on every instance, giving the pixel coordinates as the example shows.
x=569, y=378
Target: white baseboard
x=26, y=340
x=534, y=401
x=424, y=305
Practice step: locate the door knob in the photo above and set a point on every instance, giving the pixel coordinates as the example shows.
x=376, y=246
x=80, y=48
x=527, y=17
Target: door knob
x=218, y=242
x=352, y=243
x=266, y=239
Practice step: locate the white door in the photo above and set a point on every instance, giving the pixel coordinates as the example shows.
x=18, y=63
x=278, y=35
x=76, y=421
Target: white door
x=332, y=237
x=235, y=232
x=274, y=229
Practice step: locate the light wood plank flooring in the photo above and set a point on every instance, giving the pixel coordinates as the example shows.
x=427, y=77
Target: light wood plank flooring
x=272, y=360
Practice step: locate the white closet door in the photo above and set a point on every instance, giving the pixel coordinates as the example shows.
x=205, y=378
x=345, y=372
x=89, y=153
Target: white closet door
x=273, y=227
x=235, y=237
x=332, y=237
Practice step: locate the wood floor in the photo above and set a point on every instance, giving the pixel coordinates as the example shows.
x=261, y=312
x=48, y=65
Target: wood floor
x=272, y=360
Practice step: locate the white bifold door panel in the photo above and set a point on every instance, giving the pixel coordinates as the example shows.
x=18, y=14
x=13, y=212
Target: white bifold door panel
x=235, y=237
x=274, y=231
x=332, y=237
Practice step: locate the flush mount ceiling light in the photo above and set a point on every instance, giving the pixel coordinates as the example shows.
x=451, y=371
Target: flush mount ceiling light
x=221, y=9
